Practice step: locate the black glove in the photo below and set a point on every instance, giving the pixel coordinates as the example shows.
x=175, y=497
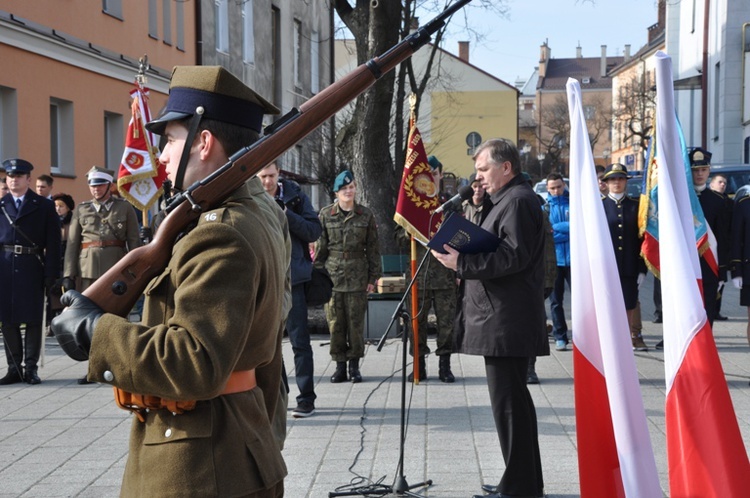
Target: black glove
x=68, y=284
x=74, y=327
x=145, y=234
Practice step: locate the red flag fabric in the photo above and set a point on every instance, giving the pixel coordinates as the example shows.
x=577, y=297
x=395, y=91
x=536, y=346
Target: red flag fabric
x=705, y=450
x=140, y=176
x=418, y=196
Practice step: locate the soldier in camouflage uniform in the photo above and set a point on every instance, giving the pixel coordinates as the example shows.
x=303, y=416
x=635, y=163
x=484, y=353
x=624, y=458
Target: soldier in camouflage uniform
x=348, y=249
x=437, y=288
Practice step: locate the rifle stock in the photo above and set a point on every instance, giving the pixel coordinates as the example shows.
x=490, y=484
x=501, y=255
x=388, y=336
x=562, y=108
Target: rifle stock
x=118, y=290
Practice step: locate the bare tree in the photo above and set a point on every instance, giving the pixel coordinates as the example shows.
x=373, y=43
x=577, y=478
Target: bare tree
x=635, y=108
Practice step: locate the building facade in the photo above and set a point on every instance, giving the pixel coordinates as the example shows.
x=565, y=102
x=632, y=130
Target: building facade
x=67, y=74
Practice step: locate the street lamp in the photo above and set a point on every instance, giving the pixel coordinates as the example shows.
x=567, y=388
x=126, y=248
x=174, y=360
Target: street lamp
x=541, y=157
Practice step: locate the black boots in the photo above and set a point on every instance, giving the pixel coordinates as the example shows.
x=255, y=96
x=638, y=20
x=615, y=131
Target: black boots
x=354, y=374
x=422, y=370
x=340, y=374
x=31, y=377
x=12, y=377
x=531, y=376
x=444, y=372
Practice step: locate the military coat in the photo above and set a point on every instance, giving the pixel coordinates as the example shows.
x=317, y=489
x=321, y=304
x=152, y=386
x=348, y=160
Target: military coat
x=115, y=222
x=718, y=217
x=216, y=308
x=348, y=247
x=22, y=276
x=622, y=219
x=740, y=249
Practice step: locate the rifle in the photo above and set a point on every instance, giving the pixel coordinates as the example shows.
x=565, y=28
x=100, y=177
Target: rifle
x=118, y=290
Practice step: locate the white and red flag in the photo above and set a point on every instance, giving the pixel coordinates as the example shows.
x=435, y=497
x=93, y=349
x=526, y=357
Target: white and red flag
x=140, y=176
x=615, y=456
x=705, y=451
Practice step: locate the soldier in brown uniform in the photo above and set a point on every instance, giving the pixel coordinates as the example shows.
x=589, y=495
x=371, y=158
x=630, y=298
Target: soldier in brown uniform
x=101, y=232
x=212, y=318
x=348, y=249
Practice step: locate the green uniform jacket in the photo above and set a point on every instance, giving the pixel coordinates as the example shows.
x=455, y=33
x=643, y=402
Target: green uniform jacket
x=119, y=222
x=348, y=248
x=216, y=308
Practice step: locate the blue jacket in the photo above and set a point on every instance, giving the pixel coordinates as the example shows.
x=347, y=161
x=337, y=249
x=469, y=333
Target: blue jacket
x=304, y=227
x=558, y=209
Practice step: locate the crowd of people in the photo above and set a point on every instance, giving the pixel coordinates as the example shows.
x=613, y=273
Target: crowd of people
x=237, y=279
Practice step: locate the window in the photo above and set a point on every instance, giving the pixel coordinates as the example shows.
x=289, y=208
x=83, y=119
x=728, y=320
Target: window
x=297, y=52
x=153, y=20
x=314, y=62
x=8, y=123
x=113, y=8
x=180, y=25
x=61, y=136
x=276, y=54
x=114, y=142
x=248, y=33
x=295, y=160
x=167, y=21
x=589, y=112
x=222, y=26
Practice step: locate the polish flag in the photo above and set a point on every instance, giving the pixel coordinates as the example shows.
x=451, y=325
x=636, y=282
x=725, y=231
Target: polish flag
x=615, y=457
x=705, y=451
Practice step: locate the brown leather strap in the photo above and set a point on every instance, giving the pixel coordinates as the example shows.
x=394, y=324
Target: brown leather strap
x=103, y=243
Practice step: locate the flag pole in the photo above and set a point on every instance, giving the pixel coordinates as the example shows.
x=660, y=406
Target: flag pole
x=414, y=288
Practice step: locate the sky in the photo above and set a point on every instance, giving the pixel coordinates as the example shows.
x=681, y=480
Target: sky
x=511, y=46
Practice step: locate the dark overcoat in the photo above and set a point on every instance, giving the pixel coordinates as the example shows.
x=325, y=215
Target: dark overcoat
x=718, y=216
x=622, y=220
x=22, y=275
x=501, y=306
x=740, y=249
x=304, y=228
x=216, y=308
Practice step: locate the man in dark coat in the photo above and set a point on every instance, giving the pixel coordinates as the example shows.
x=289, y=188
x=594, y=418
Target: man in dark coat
x=715, y=211
x=501, y=312
x=304, y=228
x=29, y=263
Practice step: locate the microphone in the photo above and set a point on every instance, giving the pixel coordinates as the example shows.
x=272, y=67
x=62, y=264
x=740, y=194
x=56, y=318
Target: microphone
x=454, y=203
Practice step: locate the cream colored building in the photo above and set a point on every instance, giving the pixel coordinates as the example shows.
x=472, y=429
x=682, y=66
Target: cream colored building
x=462, y=106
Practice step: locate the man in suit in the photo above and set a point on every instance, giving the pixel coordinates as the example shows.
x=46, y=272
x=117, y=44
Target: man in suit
x=211, y=320
x=501, y=312
x=718, y=218
x=29, y=262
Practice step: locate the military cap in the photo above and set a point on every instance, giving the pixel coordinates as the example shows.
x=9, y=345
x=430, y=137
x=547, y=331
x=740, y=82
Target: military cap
x=98, y=176
x=17, y=167
x=219, y=95
x=344, y=178
x=616, y=170
x=699, y=157
x=434, y=163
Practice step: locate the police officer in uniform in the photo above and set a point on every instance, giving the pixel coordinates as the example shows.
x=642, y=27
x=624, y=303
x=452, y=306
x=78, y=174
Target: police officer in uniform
x=622, y=218
x=437, y=289
x=29, y=261
x=212, y=319
x=715, y=211
x=101, y=232
x=348, y=249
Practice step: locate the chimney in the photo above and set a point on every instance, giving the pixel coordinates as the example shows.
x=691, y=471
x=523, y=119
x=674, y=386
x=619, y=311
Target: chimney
x=579, y=52
x=627, y=52
x=603, y=66
x=543, y=58
x=463, y=51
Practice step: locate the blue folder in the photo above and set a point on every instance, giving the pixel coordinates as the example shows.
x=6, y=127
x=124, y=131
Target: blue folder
x=463, y=236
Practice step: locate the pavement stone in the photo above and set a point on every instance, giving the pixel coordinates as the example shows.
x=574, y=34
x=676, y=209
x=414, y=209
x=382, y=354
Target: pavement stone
x=62, y=439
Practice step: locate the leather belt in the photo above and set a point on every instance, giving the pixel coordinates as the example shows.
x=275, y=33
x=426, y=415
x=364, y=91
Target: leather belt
x=139, y=404
x=347, y=254
x=103, y=243
x=17, y=249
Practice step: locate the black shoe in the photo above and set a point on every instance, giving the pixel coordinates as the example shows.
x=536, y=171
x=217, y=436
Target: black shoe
x=30, y=377
x=532, y=377
x=84, y=380
x=721, y=317
x=658, y=319
x=659, y=345
x=354, y=374
x=304, y=409
x=340, y=374
x=444, y=372
x=12, y=377
x=422, y=371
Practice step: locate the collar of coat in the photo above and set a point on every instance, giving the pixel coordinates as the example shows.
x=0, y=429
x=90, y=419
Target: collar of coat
x=336, y=209
x=516, y=181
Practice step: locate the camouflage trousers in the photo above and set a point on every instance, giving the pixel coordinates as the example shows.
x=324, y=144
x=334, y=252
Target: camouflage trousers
x=443, y=301
x=345, y=313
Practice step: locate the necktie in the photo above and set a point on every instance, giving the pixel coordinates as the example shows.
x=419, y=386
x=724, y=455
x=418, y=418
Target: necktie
x=18, y=204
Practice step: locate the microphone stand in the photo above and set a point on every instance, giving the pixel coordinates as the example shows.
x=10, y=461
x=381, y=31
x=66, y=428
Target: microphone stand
x=400, y=486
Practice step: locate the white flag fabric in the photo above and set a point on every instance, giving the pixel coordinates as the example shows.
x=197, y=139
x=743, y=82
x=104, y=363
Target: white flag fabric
x=705, y=451
x=614, y=449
